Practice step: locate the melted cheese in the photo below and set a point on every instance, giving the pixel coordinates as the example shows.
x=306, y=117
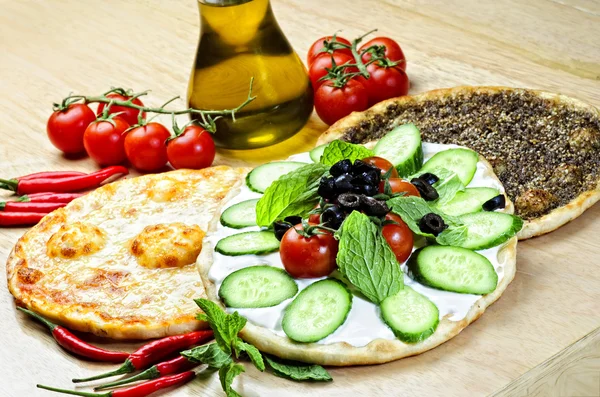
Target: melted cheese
x=75, y=240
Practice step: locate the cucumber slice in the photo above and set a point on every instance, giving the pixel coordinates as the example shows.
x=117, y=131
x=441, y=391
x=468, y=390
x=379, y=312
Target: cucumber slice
x=317, y=311
x=257, y=286
x=462, y=161
x=247, y=243
x=468, y=201
x=453, y=269
x=260, y=178
x=489, y=229
x=402, y=147
x=240, y=215
x=411, y=316
x=316, y=153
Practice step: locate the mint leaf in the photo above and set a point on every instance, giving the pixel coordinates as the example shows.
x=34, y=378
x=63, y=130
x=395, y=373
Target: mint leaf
x=298, y=371
x=253, y=353
x=226, y=375
x=455, y=235
x=210, y=354
x=225, y=326
x=447, y=186
x=366, y=260
x=294, y=193
x=339, y=150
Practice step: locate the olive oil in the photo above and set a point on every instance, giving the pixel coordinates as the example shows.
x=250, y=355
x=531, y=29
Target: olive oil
x=240, y=40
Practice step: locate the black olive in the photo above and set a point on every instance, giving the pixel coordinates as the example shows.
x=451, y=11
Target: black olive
x=294, y=220
x=333, y=217
x=373, y=207
x=495, y=203
x=349, y=201
x=326, y=188
x=360, y=166
x=369, y=190
x=280, y=228
x=427, y=192
x=343, y=183
x=341, y=167
x=432, y=223
x=429, y=178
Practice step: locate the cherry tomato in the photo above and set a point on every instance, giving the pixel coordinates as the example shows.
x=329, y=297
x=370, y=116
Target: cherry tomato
x=65, y=128
x=392, y=50
x=398, y=236
x=130, y=115
x=308, y=257
x=145, y=147
x=193, y=149
x=314, y=218
x=385, y=83
x=332, y=103
x=317, y=69
x=400, y=186
x=317, y=46
x=104, y=141
x=382, y=164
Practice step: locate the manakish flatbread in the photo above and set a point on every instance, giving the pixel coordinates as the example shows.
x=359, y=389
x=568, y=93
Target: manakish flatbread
x=379, y=350
x=120, y=261
x=544, y=147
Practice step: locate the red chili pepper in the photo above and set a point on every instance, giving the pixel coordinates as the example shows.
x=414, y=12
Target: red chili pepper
x=20, y=218
x=71, y=343
x=50, y=197
x=63, y=185
x=51, y=174
x=18, y=206
x=174, y=366
x=153, y=352
x=141, y=390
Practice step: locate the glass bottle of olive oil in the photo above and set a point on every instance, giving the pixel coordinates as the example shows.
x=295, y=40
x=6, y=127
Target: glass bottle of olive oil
x=240, y=39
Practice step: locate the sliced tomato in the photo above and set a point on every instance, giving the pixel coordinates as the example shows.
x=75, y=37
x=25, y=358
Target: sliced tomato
x=399, y=185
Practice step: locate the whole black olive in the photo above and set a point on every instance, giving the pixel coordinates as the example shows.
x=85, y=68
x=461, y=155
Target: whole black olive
x=360, y=166
x=370, y=190
x=333, y=217
x=349, y=201
x=495, y=203
x=427, y=192
x=373, y=207
x=341, y=167
x=433, y=224
x=294, y=220
x=429, y=178
x=343, y=183
x=326, y=187
x=280, y=228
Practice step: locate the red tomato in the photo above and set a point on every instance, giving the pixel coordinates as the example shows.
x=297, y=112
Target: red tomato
x=145, y=147
x=398, y=236
x=65, y=128
x=130, y=115
x=193, y=149
x=400, y=186
x=392, y=50
x=104, y=141
x=317, y=46
x=332, y=103
x=308, y=257
x=317, y=69
x=385, y=83
x=314, y=218
x=382, y=164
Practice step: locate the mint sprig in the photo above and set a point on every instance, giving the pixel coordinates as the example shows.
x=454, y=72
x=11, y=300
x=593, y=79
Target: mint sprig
x=209, y=354
x=339, y=150
x=298, y=371
x=447, y=186
x=226, y=375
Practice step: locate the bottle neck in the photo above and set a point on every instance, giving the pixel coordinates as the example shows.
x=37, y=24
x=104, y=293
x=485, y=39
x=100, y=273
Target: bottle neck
x=223, y=3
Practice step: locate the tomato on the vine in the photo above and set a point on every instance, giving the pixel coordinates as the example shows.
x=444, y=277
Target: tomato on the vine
x=308, y=257
x=314, y=218
x=392, y=51
x=66, y=127
x=385, y=83
x=104, y=141
x=333, y=103
x=130, y=115
x=400, y=186
x=317, y=68
x=194, y=148
x=398, y=236
x=145, y=146
x=316, y=48
x=382, y=164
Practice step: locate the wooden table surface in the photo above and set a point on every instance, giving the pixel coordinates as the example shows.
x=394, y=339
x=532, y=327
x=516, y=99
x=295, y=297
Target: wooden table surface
x=541, y=338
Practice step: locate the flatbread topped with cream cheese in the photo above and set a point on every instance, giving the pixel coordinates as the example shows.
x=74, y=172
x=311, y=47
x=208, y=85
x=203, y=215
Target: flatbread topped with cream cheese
x=120, y=261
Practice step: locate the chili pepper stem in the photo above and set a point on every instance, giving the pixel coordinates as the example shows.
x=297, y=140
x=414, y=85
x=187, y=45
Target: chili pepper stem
x=10, y=184
x=74, y=392
x=126, y=368
x=38, y=317
x=150, y=373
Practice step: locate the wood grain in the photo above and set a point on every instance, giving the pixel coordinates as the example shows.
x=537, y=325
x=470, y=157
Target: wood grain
x=49, y=48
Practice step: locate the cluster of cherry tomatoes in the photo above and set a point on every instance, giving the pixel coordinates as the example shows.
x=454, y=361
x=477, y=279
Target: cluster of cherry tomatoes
x=347, y=79
x=118, y=134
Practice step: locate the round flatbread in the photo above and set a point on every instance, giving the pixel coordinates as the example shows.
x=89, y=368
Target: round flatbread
x=544, y=147
x=120, y=261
